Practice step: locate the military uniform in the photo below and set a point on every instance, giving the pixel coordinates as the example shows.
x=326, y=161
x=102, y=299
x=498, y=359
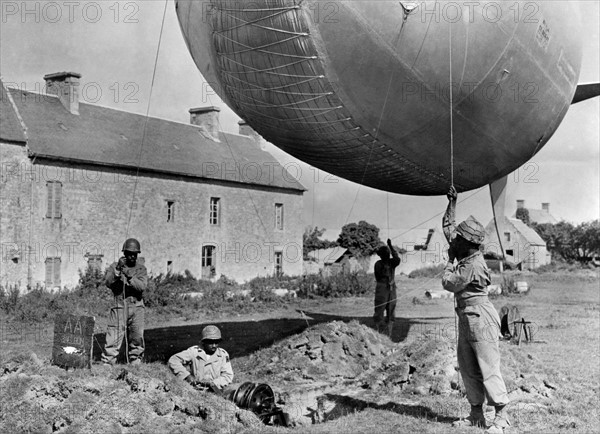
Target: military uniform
x=478, y=331
x=215, y=368
x=129, y=316
x=385, y=289
x=478, y=324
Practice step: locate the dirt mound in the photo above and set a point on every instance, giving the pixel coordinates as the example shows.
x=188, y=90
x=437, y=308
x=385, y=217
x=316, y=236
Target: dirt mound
x=335, y=351
x=36, y=397
x=420, y=367
x=325, y=352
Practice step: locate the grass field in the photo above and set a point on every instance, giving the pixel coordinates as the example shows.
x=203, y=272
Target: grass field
x=564, y=309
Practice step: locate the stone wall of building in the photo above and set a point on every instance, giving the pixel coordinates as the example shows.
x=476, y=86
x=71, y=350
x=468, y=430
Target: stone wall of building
x=15, y=207
x=518, y=248
x=101, y=207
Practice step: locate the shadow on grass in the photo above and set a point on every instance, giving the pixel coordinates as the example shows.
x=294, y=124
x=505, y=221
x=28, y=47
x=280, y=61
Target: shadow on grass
x=244, y=337
x=345, y=405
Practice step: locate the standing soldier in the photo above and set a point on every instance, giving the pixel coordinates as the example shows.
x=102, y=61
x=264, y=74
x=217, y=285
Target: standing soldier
x=479, y=324
x=127, y=279
x=205, y=367
x=385, y=289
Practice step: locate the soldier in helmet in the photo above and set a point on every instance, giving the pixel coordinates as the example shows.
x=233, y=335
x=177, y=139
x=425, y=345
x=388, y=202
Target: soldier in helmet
x=205, y=366
x=385, y=289
x=127, y=278
x=479, y=323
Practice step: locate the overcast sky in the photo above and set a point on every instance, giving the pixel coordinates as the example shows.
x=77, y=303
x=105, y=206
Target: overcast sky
x=114, y=44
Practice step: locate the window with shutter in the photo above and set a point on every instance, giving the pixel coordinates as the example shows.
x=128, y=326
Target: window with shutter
x=215, y=205
x=56, y=272
x=49, y=272
x=54, y=191
x=278, y=263
x=279, y=216
x=95, y=262
x=57, y=200
x=170, y=211
x=52, y=272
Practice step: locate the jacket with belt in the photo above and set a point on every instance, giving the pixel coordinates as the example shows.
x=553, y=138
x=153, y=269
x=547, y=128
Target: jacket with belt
x=469, y=279
x=133, y=286
x=195, y=361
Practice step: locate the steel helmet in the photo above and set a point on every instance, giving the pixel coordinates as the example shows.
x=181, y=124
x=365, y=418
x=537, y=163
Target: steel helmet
x=471, y=230
x=211, y=332
x=131, y=245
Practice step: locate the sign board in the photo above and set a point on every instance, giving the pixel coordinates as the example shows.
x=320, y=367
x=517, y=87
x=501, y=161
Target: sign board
x=72, y=346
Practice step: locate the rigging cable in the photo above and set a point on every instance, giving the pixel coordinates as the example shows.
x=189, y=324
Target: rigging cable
x=405, y=13
x=139, y=159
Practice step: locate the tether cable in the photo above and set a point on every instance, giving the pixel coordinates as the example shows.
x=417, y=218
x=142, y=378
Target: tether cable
x=137, y=173
x=396, y=42
x=139, y=159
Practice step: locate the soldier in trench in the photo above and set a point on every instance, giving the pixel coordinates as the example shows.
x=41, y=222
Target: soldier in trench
x=204, y=366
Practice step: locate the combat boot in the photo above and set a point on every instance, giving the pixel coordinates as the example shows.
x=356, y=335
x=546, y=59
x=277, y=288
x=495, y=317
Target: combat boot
x=390, y=329
x=500, y=422
x=475, y=418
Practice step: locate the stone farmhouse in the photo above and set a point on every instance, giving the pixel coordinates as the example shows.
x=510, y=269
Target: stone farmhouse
x=78, y=179
x=522, y=245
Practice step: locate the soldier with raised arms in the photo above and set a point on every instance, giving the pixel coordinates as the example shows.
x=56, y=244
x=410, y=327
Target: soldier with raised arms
x=479, y=323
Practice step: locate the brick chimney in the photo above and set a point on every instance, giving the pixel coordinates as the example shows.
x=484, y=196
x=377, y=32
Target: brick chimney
x=206, y=118
x=248, y=131
x=546, y=207
x=65, y=85
x=520, y=203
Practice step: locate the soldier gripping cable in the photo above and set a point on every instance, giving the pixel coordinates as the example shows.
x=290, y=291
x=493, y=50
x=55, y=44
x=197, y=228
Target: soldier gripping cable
x=205, y=367
x=479, y=324
x=127, y=279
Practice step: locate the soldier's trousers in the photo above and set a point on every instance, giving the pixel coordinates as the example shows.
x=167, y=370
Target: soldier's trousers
x=120, y=322
x=385, y=302
x=479, y=355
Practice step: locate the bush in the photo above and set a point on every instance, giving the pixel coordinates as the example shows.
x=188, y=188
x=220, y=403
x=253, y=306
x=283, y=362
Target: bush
x=9, y=298
x=559, y=265
x=166, y=290
x=338, y=285
x=432, y=271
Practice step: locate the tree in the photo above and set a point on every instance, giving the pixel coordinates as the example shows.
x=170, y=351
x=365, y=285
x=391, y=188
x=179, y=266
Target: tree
x=558, y=238
x=362, y=239
x=311, y=241
x=586, y=240
x=570, y=242
x=523, y=215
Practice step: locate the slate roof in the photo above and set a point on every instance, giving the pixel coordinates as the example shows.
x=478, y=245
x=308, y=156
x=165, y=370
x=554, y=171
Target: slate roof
x=328, y=256
x=539, y=216
x=530, y=235
x=11, y=129
x=109, y=137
